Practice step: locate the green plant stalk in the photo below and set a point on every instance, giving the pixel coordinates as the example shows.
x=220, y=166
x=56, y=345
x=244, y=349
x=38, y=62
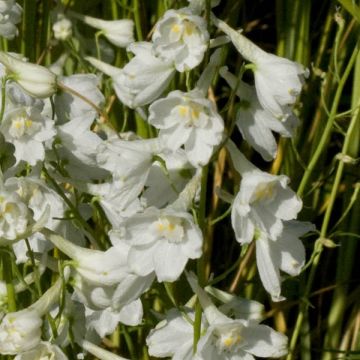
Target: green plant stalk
x=329, y=125
x=303, y=41
x=347, y=250
x=352, y=8
x=7, y=274
x=3, y=98
x=200, y=262
x=318, y=245
x=74, y=210
x=28, y=42
x=137, y=18
x=45, y=34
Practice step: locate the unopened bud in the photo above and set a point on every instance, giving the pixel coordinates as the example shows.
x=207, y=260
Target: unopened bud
x=35, y=80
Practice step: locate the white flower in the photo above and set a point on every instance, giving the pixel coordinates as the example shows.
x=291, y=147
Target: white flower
x=27, y=129
x=228, y=339
x=44, y=351
x=34, y=79
x=263, y=201
x=70, y=107
x=286, y=253
x=164, y=185
x=173, y=337
x=10, y=15
x=62, y=28
x=256, y=123
x=40, y=199
x=182, y=38
x=142, y=80
x=103, y=279
x=129, y=162
x=161, y=241
x=14, y=217
x=278, y=81
x=20, y=331
x=188, y=119
x=105, y=321
x=118, y=32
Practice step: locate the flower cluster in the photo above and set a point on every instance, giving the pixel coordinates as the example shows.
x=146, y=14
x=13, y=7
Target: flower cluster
x=116, y=216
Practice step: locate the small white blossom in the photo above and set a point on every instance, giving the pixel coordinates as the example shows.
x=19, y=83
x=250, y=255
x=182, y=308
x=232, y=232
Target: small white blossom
x=263, y=201
x=256, y=123
x=34, y=79
x=10, y=15
x=14, y=217
x=173, y=337
x=286, y=253
x=161, y=241
x=20, y=331
x=188, y=119
x=118, y=32
x=182, y=38
x=278, y=81
x=28, y=130
x=142, y=79
x=62, y=28
x=228, y=339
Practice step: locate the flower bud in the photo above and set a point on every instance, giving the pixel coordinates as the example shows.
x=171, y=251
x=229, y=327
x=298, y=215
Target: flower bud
x=35, y=80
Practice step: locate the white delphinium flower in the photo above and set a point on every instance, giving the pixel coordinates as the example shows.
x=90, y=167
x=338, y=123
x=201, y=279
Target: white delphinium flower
x=173, y=337
x=263, y=201
x=44, y=351
x=129, y=162
x=286, y=253
x=62, y=28
x=228, y=339
x=104, y=283
x=188, y=119
x=164, y=185
x=10, y=15
x=161, y=241
x=21, y=330
x=34, y=79
x=256, y=123
x=28, y=130
x=118, y=32
x=263, y=211
x=70, y=107
x=142, y=80
x=14, y=217
x=181, y=37
x=40, y=199
x=278, y=81
x=105, y=321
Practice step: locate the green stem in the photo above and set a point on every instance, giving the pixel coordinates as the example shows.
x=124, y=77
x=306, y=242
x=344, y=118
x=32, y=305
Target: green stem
x=137, y=18
x=3, y=98
x=200, y=262
x=8, y=278
x=324, y=228
x=328, y=128
x=73, y=209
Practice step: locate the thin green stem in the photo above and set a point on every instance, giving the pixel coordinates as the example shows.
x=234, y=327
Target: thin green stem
x=328, y=128
x=137, y=18
x=7, y=273
x=3, y=98
x=324, y=228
